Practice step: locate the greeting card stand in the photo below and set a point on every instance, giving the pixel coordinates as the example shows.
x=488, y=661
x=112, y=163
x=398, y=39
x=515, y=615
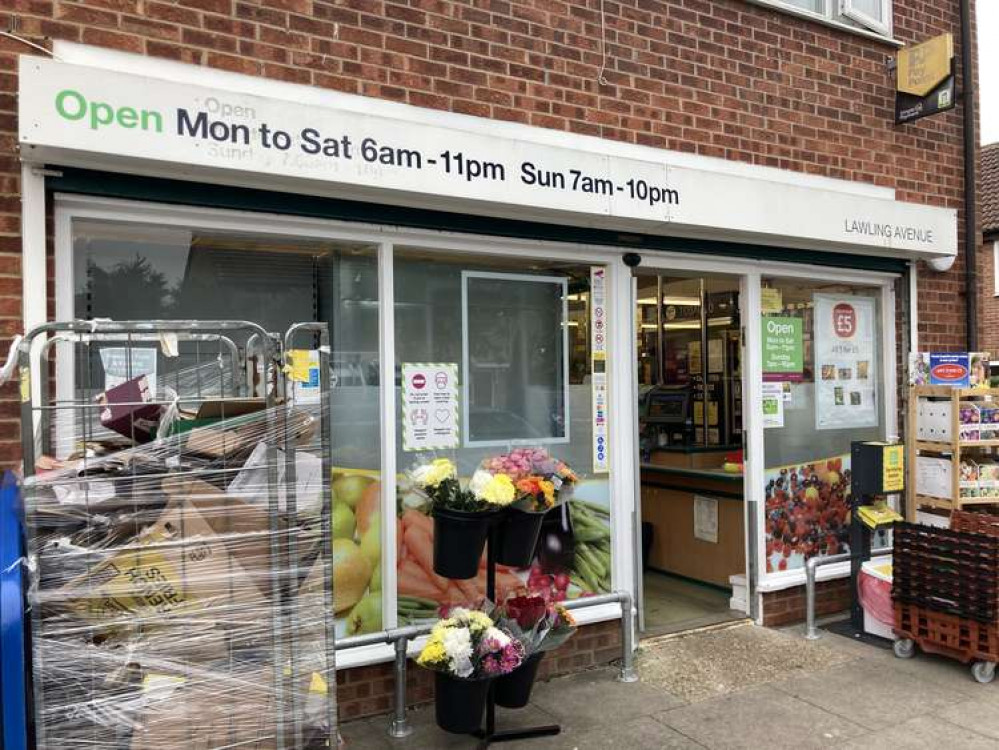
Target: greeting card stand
x=488, y=735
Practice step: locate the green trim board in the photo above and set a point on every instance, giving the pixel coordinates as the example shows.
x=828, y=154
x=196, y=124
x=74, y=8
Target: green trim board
x=207, y=195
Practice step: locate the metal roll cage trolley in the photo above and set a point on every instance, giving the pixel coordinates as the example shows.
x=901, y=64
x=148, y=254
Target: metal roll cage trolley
x=227, y=362
x=230, y=361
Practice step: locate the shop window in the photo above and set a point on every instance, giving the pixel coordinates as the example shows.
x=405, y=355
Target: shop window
x=516, y=335
x=515, y=340
x=823, y=388
x=142, y=272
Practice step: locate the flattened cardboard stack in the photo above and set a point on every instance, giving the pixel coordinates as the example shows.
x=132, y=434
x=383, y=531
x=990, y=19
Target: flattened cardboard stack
x=168, y=610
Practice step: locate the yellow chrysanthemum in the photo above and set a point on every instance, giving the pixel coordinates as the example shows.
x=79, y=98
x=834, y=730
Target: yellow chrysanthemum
x=500, y=490
x=439, y=470
x=432, y=653
x=548, y=490
x=479, y=621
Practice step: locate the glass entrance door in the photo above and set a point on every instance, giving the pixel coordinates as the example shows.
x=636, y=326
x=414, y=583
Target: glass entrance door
x=690, y=403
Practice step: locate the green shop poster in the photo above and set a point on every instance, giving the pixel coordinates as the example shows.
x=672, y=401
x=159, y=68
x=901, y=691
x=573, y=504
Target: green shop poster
x=782, y=348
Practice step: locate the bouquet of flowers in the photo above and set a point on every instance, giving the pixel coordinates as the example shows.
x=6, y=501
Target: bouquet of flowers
x=539, y=480
x=468, y=645
x=438, y=481
x=539, y=623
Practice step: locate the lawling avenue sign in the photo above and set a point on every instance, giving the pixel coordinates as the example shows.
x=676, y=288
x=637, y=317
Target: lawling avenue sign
x=351, y=147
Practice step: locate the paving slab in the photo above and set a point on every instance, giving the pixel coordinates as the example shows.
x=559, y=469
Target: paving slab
x=980, y=715
x=923, y=733
x=589, y=699
x=871, y=694
x=643, y=733
x=760, y=717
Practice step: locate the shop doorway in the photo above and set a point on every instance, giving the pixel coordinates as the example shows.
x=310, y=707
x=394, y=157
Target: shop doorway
x=690, y=415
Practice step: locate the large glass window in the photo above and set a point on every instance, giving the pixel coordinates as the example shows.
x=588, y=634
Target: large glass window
x=823, y=388
x=518, y=336
x=128, y=271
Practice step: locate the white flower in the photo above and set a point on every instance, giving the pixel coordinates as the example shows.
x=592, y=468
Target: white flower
x=480, y=480
x=458, y=647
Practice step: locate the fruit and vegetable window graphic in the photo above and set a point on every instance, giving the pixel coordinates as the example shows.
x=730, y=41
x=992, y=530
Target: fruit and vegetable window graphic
x=572, y=558
x=807, y=512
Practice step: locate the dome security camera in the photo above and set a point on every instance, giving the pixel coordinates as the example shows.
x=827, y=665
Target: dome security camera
x=632, y=260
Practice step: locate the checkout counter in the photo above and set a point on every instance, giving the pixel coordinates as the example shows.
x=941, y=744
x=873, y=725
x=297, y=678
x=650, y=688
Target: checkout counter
x=692, y=494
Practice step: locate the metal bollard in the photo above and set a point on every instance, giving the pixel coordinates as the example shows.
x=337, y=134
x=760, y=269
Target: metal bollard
x=811, y=568
x=400, y=727
x=628, y=672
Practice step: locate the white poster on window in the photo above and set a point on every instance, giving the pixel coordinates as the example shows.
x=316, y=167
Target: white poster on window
x=430, y=406
x=845, y=362
x=122, y=364
x=773, y=405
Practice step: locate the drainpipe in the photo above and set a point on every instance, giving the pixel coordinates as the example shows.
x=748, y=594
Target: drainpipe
x=970, y=194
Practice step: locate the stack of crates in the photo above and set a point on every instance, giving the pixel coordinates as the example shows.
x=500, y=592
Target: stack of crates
x=946, y=588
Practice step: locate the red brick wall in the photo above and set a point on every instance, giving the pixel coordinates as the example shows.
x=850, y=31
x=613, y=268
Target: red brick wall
x=787, y=607
x=721, y=78
x=988, y=303
x=367, y=691
x=717, y=77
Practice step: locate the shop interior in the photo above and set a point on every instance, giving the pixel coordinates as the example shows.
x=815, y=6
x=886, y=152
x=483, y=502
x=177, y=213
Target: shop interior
x=690, y=439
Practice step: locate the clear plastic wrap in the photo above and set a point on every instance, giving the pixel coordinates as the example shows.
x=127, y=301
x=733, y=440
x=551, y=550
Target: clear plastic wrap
x=181, y=589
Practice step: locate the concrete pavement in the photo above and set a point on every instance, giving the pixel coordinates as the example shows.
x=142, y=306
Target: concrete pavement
x=744, y=687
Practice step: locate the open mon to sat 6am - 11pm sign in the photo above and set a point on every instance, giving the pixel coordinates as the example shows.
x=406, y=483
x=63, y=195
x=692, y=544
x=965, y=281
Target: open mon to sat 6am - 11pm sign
x=782, y=348
x=305, y=139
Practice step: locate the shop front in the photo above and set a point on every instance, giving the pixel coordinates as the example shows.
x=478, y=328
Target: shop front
x=696, y=342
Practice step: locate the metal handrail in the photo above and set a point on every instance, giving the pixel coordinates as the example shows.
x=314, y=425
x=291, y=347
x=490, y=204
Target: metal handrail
x=811, y=567
x=399, y=726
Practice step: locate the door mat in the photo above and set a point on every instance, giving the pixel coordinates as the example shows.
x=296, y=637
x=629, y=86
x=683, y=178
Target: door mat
x=706, y=664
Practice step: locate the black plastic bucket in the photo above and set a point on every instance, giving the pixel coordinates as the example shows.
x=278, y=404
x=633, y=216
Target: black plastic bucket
x=458, y=703
x=459, y=539
x=514, y=690
x=517, y=537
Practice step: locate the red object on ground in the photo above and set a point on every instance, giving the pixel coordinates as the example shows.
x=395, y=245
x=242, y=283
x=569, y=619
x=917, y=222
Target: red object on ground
x=875, y=596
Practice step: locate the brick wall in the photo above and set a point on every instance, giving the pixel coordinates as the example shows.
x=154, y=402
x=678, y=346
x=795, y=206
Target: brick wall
x=720, y=78
x=787, y=607
x=367, y=691
x=988, y=303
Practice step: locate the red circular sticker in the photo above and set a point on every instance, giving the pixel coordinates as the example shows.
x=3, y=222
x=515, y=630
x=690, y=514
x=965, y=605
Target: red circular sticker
x=950, y=371
x=419, y=381
x=844, y=320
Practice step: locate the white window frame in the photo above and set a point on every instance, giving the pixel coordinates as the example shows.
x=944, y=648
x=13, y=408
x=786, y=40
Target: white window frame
x=847, y=9
x=385, y=240
x=622, y=375
x=465, y=397
x=833, y=14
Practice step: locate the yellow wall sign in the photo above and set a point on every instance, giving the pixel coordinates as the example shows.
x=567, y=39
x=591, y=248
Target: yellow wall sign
x=893, y=468
x=922, y=67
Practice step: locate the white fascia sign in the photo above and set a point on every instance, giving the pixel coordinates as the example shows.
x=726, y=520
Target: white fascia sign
x=77, y=115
